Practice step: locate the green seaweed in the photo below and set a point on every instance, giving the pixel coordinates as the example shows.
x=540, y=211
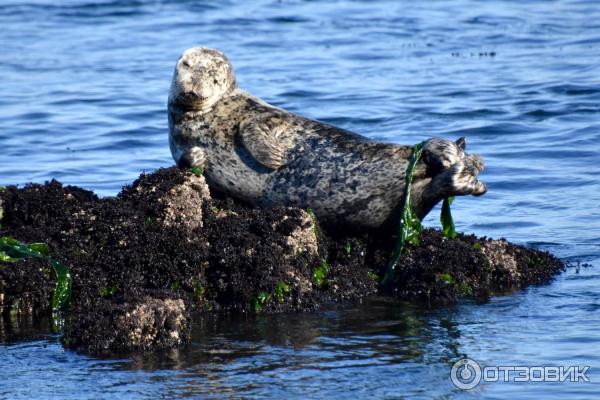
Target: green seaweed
x=261, y=299
x=410, y=224
x=446, y=278
x=107, y=292
x=311, y=214
x=41, y=248
x=446, y=219
x=465, y=289
x=197, y=170
x=45, y=272
x=373, y=276
x=347, y=248
x=198, y=290
x=62, y=290
x=13, y=250
x=281, y=289
x=6, y=258
x=320, y=273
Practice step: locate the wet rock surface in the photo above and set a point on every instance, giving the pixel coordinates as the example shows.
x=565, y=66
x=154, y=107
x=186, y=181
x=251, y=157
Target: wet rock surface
x=166, y=247
x=145, y=323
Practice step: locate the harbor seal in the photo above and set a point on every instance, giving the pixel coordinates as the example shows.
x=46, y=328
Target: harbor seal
x=269, y=157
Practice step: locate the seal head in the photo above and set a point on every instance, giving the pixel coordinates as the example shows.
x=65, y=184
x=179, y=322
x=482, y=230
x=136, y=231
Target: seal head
x=202, y=77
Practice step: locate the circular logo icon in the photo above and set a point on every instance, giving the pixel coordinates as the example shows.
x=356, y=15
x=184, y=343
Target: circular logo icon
x=465, y=374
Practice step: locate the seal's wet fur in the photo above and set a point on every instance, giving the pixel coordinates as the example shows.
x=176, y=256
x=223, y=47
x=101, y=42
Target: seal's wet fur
x=271, y=157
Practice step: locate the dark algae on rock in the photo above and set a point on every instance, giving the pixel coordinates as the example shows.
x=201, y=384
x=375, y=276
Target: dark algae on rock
x=441, y=270
x=166, y=247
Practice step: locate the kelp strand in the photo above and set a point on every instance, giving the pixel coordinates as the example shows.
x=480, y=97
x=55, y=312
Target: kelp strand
x=12, y=250
x=410, y=224
x=446, y=219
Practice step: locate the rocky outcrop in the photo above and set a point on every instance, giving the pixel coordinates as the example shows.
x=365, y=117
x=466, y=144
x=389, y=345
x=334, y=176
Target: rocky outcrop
x=166, y=246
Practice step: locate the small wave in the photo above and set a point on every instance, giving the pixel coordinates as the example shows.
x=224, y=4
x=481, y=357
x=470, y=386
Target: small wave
x=573, y=90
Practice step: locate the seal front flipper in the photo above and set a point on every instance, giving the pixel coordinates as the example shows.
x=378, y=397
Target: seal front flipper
x=191, y=157
x=262, y=139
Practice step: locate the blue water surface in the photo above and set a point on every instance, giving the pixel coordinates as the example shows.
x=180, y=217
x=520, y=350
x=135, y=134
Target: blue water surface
x=83, y=87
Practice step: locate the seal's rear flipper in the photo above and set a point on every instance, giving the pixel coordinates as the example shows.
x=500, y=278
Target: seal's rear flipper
x=461, y=178
x=458, y=180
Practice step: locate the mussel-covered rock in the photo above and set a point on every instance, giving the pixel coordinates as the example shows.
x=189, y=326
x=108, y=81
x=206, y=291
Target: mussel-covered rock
x=167, y=246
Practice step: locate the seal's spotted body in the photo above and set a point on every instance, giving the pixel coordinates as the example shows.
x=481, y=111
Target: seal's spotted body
x=269, y=156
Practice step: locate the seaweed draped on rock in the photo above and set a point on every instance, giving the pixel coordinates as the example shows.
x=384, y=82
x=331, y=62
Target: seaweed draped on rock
x=166, y=247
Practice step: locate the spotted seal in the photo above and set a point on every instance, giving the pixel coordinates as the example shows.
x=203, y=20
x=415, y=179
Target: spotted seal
x=267, y=156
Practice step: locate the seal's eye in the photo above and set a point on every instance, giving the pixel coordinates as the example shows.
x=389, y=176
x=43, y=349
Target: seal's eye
x=186, y=64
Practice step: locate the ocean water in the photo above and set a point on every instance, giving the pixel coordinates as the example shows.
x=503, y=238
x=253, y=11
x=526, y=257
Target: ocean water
x=83, y=87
